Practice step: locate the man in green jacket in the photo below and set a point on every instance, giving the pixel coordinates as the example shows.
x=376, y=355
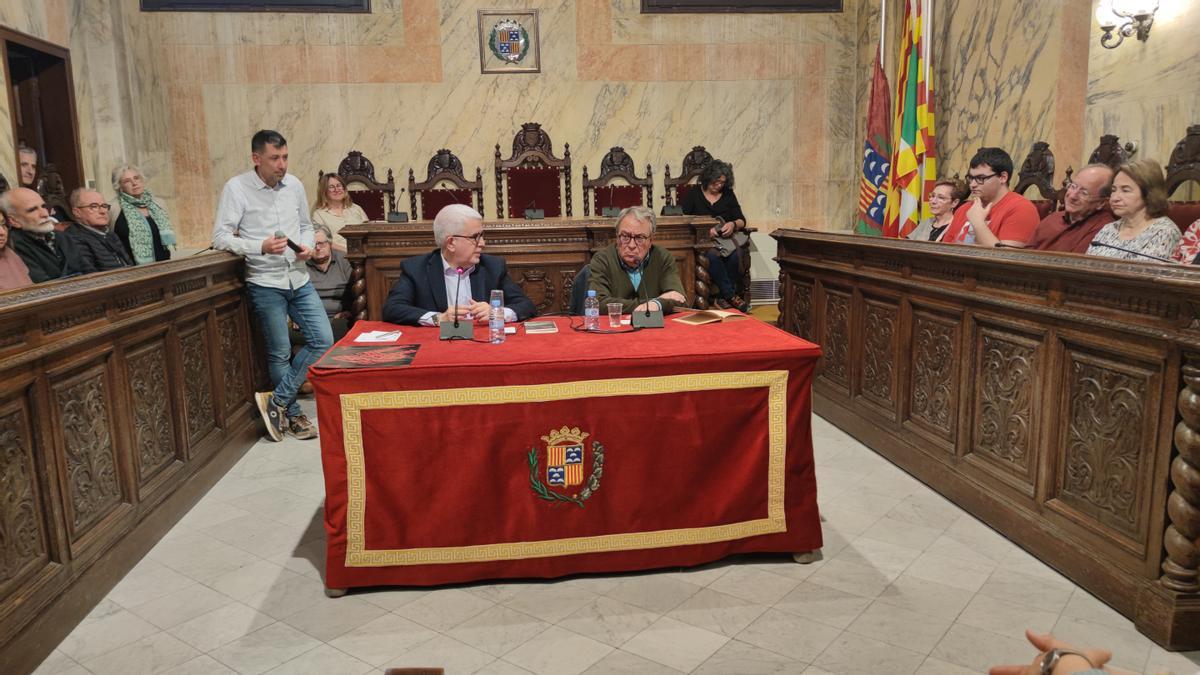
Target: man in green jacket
x=633, y=270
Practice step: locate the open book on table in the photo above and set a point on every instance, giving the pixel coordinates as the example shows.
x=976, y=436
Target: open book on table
x=710, y=316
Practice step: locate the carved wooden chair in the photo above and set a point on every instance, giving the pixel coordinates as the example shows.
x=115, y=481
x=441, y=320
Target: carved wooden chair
x=1111, y=152
x=1184, y=166
x=358, y=175
x=1038, y=171
x=49, y=184
x=617, y=186
x=4, y=187
x=444, y=184
x=533, y=178
x=693, y=163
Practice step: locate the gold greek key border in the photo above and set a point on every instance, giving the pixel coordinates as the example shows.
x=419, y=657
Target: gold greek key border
x=353, y=404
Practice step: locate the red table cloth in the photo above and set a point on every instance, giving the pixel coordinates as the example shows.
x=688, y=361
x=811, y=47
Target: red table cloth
x=563, y=453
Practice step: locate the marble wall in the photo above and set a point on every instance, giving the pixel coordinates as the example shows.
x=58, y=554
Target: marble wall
x=774, y=94
x=1148, y=92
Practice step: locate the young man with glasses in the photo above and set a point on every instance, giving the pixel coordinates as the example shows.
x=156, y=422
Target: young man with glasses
x=634, y=270
x=254, y=207
x=995, y=215
x=455, y=280
x=100, y=249
x=1085, y=212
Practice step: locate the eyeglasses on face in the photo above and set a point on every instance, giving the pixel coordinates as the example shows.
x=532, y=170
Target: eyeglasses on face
x=1083, y=192
x=102, y=207
x=131, y=180
x=477, y=237
x=980, y=178
x=334, y=187
x=625, y=238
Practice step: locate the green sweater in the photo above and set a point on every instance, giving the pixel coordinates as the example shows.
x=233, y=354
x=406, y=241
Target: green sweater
x=611, y=281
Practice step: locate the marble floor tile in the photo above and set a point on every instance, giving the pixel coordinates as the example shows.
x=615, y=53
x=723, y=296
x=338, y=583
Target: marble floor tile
x=718, y=612
x=186, y=603
x=1033, y=592
x=823, y=604
x=201, y=665
x=846, y=521
x=656, y=594
x=443, y=651
x=880, y=555
x=926, y=597
x=220, y=626
x=498, y=630
x=392, y=599
x=209, y=512
x=903, y=533
x=444, y=609
x=335, y=618
x=793, y=636
x=58, y=663
x=754, y=585
x=853, y=577
x=968, y=575
x=747, y=659
x=264, y=649
x=290, y=594
x=927, y=509
x=1179, y=663
x=378, y=642
x=609, y=620
x=900, y=627
x=201, y=557
x=857, y=655
x=558, y=651
x=1006, y=618
x=549, y=602
x=146, y=582
x=502, y=667
x=102, y=635
x=1130, y=648
x=936, y=666
x=623, y=663
x=150, y=655
x=244, y=582
x=324, y=660
x=676, y=644
x=979, y=650
x=1084, y=605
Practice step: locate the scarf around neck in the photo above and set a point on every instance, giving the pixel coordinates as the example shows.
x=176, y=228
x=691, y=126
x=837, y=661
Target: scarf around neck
x=141, y=240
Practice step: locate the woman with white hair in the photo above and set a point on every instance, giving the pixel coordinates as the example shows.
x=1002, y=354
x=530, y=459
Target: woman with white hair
x=138, y=218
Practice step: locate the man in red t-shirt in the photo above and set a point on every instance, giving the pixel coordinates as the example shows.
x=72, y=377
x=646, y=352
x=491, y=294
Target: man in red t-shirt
x=995, y=215
x=1085, y=212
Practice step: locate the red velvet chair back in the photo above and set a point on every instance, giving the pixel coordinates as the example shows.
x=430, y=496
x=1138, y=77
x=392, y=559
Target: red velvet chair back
x=373, y=202
x=1184, y=213
x=444, y=184
x=617, y=197
x=433, y=201
x=534, y=187
x=693, y=163
x=533, y=178
x=606, y=192
x=357, y=173
x=1183, y=168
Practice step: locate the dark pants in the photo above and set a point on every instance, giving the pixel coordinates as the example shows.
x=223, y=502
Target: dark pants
x=725, y=272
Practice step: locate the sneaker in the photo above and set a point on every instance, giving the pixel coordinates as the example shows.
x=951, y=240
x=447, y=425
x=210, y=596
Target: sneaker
x=272, y=414
x=722, y=303
x=740, y=304
x=301, y=428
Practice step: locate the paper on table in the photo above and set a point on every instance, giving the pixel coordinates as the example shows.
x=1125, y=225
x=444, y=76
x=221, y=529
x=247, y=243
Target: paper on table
x=378, y=336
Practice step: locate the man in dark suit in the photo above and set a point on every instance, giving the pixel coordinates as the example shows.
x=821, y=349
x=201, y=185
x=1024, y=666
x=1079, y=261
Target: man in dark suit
x=429, y=285
x=100, y=249
x=48, y=254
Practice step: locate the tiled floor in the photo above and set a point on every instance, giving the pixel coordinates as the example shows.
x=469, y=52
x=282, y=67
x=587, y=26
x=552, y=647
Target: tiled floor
x=909, y=584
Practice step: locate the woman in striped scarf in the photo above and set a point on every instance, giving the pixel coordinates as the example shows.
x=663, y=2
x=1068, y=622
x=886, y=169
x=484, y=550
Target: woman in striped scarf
x=138, y=218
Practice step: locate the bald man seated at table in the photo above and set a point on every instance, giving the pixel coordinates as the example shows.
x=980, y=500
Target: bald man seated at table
x=456, y=280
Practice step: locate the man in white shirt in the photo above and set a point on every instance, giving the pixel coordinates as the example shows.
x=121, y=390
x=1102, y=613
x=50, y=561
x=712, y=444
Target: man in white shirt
x=254, y=207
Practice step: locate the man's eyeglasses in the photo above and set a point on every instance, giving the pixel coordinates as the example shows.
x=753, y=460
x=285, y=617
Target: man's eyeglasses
x=477, y=237
x=625, y=238
x=102, y=207
x=981, y=178
x=1083, y=192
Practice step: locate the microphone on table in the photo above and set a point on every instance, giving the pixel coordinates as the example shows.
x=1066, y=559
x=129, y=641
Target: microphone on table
x=648, y=318
x=290, y=244
x=452, y=330
x=1132, y=252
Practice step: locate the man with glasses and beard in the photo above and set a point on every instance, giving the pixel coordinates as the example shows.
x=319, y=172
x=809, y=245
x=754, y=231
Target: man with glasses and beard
x=456, y=279
x=48, y=254
x=634, y=271
x=995, y=215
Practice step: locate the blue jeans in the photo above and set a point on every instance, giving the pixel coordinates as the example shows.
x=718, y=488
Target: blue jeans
x=725, y=272
x=273, y=306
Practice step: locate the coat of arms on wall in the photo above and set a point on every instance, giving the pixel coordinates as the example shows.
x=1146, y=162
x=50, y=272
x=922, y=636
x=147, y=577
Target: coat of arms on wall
x=509, y=41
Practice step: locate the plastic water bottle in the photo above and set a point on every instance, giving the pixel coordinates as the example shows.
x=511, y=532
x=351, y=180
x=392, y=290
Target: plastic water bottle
x=496, y=323
x=969, y=236
x=591, y=312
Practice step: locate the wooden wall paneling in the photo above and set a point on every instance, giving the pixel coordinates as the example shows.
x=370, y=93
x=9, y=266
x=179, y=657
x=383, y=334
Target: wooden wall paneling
x=157, y=450
x=1007, y=410
x=236, y=391
x=837, y=337
x=1107, y=438
x=936, y=366
x=195, y=355
x=878, y=371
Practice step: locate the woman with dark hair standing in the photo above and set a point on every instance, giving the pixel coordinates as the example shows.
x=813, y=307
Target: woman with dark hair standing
x=713, y=196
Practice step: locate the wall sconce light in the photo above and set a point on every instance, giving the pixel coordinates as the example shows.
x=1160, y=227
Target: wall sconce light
x=1120, y=19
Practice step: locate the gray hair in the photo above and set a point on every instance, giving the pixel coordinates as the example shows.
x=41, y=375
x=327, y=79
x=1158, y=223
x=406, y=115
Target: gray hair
x=6, y=205
x=120, y=171
x=451, y=220
x=26, y=150
x=323, y=229
x=640, y=214
x=77, y=196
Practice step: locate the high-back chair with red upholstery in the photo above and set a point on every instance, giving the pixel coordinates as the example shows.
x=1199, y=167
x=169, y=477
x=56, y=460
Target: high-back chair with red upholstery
x=693, y=163
x=358, y=175
x=617, y=186
x=533, y=178
x=1038, y=171
x=1183, y=167
x=444, y=184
